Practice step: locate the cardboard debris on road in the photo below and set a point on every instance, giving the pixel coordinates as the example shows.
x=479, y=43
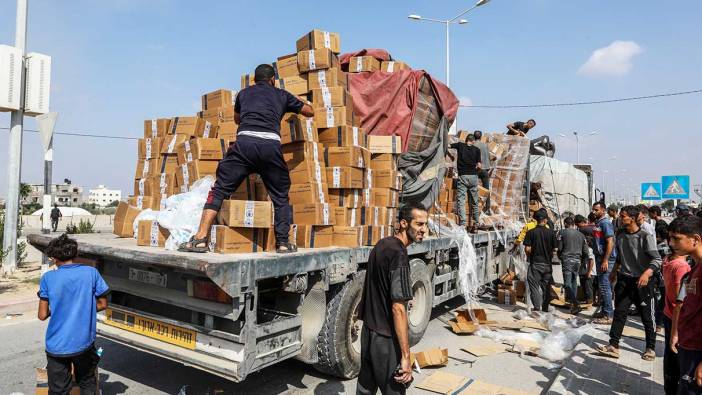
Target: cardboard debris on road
x=448, y=383
x=464, y=324
x=529, y=347
x=431, y=357
x=634, y=333
x=483, y=350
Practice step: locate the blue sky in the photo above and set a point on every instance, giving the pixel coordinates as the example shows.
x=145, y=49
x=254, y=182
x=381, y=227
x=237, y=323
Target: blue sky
x=118, y=62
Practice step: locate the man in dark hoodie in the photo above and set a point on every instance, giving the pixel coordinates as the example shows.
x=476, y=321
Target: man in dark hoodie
x=637, y=261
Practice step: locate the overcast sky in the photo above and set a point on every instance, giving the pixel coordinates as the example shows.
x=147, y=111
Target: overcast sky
x=118, y=62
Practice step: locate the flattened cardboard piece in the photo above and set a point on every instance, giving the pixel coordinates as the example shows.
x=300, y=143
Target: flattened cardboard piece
x=445, y=383
x=431, y=357
x=483, y=388
x=465, y=315
x=516, y=325
x=483, y=350
x=463, y=328
x=534, y=325
x=529, y=347
x=634, y=333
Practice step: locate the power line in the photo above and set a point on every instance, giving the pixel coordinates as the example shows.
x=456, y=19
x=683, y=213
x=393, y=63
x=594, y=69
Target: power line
x=84, y=134
x=581, y=103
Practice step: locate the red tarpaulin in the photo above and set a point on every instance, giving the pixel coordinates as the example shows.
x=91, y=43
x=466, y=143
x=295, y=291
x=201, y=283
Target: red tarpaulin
x=386, y=102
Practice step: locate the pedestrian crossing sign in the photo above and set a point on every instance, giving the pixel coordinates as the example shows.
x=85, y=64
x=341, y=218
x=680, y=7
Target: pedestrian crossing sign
x=675, y=187
x=651, y=191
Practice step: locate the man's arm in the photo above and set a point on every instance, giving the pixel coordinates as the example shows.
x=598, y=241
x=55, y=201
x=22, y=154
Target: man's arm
x=44, y=311
x=237, y=118
x=654, y=265
x=674, y=328
x=609, y=247
x=399, y=317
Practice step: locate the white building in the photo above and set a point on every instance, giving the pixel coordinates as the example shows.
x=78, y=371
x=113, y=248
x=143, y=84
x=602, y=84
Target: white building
x=102, y=196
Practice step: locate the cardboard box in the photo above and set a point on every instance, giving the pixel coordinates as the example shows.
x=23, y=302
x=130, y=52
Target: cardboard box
x=378, y=216
x=373, y=234
x=519, y=287
x=316, y=59
x=189, y=126
x=346, y=197
x=383, y=162
x=296, y=128
x=385, y=197
x=346, y=157
x=385, y=144
x=246, y=214
x=313, y=214
x=343, y=136
x=344, y=177
x=331, y=117
x=227, y=132
x=218, y=98
x=151, y=234
x=193, y=171
x=335, y=96
x=247, y=80
x=300, y=151
x=164, y=183
x=297, y=85
x=392, y=65
x=319, y=39
x=171, y=143
x=312, y=236
x=145, y=202
x=311, y=192
x=246, y=190
x=226, y=240
x=146, y=168
x=387, y=179
x=506, y=296
x=218, y=115
x=286, y=66
x=307, y=170
x=123, y=223
x=344, y=216
x=358, y=64
x=327, y=78
x=431, y=357
x=149, y=148
x=156, y=127
x=348, y=236
x=201, y=149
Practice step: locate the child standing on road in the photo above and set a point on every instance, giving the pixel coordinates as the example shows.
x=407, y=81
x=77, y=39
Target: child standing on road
x=675, y=267
x=71, y=295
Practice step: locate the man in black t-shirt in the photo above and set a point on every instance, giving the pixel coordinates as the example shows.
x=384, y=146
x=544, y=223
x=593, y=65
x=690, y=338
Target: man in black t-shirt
x=520, y=128
x=386, y=290
x=55, y=215
x=467, y=163
x=258, y=111
x=539, y=245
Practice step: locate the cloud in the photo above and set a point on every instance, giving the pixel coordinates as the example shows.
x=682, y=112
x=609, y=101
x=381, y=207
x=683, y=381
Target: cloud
x=612, y=60
x=465, y=101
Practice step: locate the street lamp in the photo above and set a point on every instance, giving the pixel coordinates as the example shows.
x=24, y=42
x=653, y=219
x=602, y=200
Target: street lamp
x=577, y=143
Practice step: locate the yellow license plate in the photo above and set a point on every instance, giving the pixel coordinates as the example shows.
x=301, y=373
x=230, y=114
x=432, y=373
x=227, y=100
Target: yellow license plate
x=152, y=328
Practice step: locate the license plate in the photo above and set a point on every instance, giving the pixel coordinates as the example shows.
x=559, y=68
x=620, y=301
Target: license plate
x=147, y=277
x=151, y=328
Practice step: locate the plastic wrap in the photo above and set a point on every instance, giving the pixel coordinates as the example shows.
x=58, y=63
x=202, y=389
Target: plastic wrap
x=183, y=212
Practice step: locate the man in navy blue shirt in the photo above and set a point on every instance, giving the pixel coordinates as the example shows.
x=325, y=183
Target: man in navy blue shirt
x=258, y=111
x=71, y=295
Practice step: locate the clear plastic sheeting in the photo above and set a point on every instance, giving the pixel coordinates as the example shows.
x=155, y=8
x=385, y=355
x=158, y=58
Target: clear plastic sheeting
x=564, y=189
x=183, y=212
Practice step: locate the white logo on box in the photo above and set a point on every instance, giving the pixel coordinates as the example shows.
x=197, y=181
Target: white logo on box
x=355, y=135
x=140, y=202
x=206, y=132
x=336, y=178
x=249, y=214
x=322, y=78
x=313, y=64
x=359, y=63
x=154, y=234
x=213, y=238
x=330, y=117
x=391, y=66
x=327, y=40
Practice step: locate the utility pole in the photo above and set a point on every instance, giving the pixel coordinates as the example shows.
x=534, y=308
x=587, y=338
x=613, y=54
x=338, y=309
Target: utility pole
x=14, y=161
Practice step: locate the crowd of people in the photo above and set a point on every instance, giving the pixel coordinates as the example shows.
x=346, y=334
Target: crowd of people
x=628, y=261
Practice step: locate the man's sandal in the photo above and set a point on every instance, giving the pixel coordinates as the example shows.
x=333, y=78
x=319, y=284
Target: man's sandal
x=649, y=355
x=608, y=350
x=194, y=245
x=285, y=248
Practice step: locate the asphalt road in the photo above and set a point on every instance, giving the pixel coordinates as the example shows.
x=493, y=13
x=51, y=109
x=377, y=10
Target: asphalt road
x=127, y=371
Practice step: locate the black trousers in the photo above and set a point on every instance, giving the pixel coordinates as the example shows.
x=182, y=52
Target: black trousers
x=54, y=224
x=627, y=292
x=249, y=155
x=380, y=356
x=539, y=278
x=586, y=283
x=671, y=368
x=688, y=359
x=58, y=370
x=484, y=177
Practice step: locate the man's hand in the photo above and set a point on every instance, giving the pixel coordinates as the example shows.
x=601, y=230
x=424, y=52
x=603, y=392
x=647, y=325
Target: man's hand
x=588, y=275
x=406, y=371
x=613, y=277
x=604, y=266
x=698, y=374
x=643, y=279
x=674, y=343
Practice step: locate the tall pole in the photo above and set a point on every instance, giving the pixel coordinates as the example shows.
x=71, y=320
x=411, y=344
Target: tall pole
x=48, y=167
x=577, y=148
x=15, y=150
x=448, y=67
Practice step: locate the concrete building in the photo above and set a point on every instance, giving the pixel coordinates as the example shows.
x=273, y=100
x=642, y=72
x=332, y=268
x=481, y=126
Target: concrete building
x=65, y=194
x=102, y=196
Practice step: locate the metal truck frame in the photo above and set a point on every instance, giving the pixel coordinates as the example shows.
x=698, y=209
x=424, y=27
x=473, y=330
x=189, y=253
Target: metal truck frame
x=232, y=315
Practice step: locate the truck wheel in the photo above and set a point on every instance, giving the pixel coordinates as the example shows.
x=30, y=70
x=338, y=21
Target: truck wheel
x=421, y=304
x=339, y=341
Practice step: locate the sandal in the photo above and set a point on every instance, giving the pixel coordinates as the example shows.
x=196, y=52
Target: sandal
x=602, y=321
x=194, y=245
x=649, y=355
x=608, y=350
x=285, y=248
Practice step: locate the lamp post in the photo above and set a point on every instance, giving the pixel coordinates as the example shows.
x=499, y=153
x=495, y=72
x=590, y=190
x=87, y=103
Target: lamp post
x=577, y=143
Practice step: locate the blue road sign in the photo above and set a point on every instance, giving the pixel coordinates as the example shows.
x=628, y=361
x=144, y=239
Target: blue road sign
x=675, y=187
x=651, y=191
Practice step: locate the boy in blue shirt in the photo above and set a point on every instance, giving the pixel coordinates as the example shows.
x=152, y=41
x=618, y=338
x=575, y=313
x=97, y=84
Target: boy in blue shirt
x=71, y=295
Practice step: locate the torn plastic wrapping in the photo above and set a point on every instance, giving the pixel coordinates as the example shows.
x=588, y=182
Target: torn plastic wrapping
x=145, y=215
x=183, y=211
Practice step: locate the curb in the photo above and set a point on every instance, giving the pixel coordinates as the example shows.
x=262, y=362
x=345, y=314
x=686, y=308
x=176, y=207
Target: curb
x=18, y=306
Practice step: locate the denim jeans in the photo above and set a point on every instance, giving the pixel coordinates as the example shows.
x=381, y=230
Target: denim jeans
x=467, y=188
x=605, y=286
x=570, y=279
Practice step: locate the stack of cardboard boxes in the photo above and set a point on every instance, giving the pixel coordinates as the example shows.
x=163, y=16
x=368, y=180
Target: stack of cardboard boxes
x=345, y=184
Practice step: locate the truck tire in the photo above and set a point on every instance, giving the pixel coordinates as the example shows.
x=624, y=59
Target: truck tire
x=423, y=294
x=339, y=341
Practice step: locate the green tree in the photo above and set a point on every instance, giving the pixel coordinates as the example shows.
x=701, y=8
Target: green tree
x=114, y=204
x=25, y=190
x=668, y=205
x=21, y=246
